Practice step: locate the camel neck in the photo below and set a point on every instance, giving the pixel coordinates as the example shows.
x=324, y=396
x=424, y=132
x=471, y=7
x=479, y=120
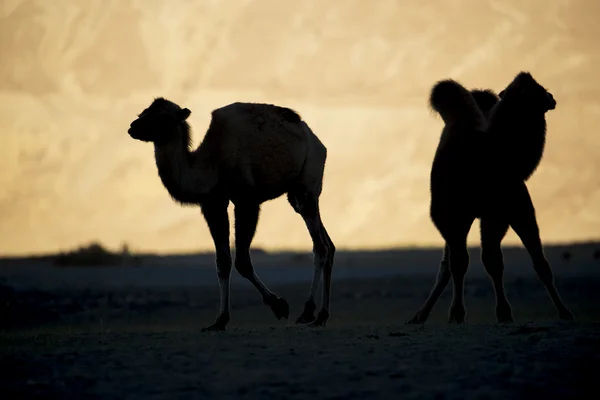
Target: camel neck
x=521, y=138
x=181, y=172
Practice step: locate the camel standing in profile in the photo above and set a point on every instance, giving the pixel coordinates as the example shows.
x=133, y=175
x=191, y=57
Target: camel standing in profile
x=250, y=154
x=488, y=149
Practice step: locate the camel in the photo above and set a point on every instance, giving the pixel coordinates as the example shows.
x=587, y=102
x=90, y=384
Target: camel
x=251, y=153
x=488, y=149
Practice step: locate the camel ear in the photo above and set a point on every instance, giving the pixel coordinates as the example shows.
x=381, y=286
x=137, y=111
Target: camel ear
x=501, y=94
x=184, y=114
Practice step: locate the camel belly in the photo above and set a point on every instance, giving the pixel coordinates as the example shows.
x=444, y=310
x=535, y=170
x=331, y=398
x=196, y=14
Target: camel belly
x=265, y=178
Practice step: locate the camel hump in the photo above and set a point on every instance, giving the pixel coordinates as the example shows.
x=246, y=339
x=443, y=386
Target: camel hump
x=289, y=115
x=283, y=113
x=455, y=104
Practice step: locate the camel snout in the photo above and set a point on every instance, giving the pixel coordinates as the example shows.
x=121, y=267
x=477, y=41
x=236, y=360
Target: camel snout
x=551, y=102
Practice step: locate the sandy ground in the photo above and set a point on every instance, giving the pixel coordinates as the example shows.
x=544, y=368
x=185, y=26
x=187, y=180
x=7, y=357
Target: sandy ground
x=141, y=339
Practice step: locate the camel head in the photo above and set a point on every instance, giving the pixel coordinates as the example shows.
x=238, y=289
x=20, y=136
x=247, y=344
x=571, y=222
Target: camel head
x=160, y=122
x=525, y=90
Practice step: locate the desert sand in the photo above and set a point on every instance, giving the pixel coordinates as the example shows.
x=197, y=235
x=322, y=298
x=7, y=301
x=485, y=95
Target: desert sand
x=113, y=332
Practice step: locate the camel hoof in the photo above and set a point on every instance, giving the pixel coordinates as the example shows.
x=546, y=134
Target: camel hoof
x=419, y=318
x=504, y=315
x=308, y=315
x=214, y=328
x=566, y=315
x=321, y=320
x=219, y=325
x=280, y=308
x=457, y=314
x=305, y=319
x=453, y=319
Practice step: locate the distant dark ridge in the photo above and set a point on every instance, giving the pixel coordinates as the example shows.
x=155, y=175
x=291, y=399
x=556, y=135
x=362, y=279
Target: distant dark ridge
x=95, y=254
x=91, y=254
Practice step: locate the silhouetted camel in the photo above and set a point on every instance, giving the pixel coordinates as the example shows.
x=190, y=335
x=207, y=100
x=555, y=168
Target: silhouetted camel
x=250, y=154
x=479, y=171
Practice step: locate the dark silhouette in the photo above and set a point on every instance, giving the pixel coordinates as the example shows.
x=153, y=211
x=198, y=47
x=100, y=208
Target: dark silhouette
x=479, y=171
x=250, y=154
x=566, y=255
x=596, y=255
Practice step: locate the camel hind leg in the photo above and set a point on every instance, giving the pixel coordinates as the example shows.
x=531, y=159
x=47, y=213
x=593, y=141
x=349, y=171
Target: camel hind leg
x=306, y=204
x=493, y=231
x=459, y=262
x=454, y=228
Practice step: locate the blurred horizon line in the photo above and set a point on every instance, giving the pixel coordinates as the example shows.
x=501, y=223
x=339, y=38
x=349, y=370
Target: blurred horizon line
x=260, y=250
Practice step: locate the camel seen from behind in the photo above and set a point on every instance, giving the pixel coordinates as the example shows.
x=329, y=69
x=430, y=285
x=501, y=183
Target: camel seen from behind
x=489, y=147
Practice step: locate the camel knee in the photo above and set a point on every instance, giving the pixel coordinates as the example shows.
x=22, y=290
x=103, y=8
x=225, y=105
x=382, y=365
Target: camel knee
x=320, y=253
x=223, y=265
x=324, y=253
x=223, y=272
x=331, y=249
x=492, y=260
x=544, y=271
x=459, y=261
x=458, y=255
x=444, y=271
x=330, y=256
x=244, y=267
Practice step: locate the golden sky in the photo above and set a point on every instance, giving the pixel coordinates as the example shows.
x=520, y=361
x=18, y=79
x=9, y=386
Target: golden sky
x=75, y=73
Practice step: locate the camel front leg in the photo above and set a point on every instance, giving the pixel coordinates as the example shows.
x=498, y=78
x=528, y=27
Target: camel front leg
x=246, y=218
x=218, y=224
x=492, y=233
x=524, y=223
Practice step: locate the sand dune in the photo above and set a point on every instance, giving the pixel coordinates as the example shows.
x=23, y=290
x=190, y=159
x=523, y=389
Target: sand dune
x=74, y=74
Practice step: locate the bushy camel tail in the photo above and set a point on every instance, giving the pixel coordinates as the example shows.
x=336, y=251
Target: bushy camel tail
x=456, y=104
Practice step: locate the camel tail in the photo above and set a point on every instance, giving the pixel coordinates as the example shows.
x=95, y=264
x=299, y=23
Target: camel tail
x=454, y=103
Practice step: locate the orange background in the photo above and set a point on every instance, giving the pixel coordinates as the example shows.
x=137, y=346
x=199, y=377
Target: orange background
x=75, y=73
